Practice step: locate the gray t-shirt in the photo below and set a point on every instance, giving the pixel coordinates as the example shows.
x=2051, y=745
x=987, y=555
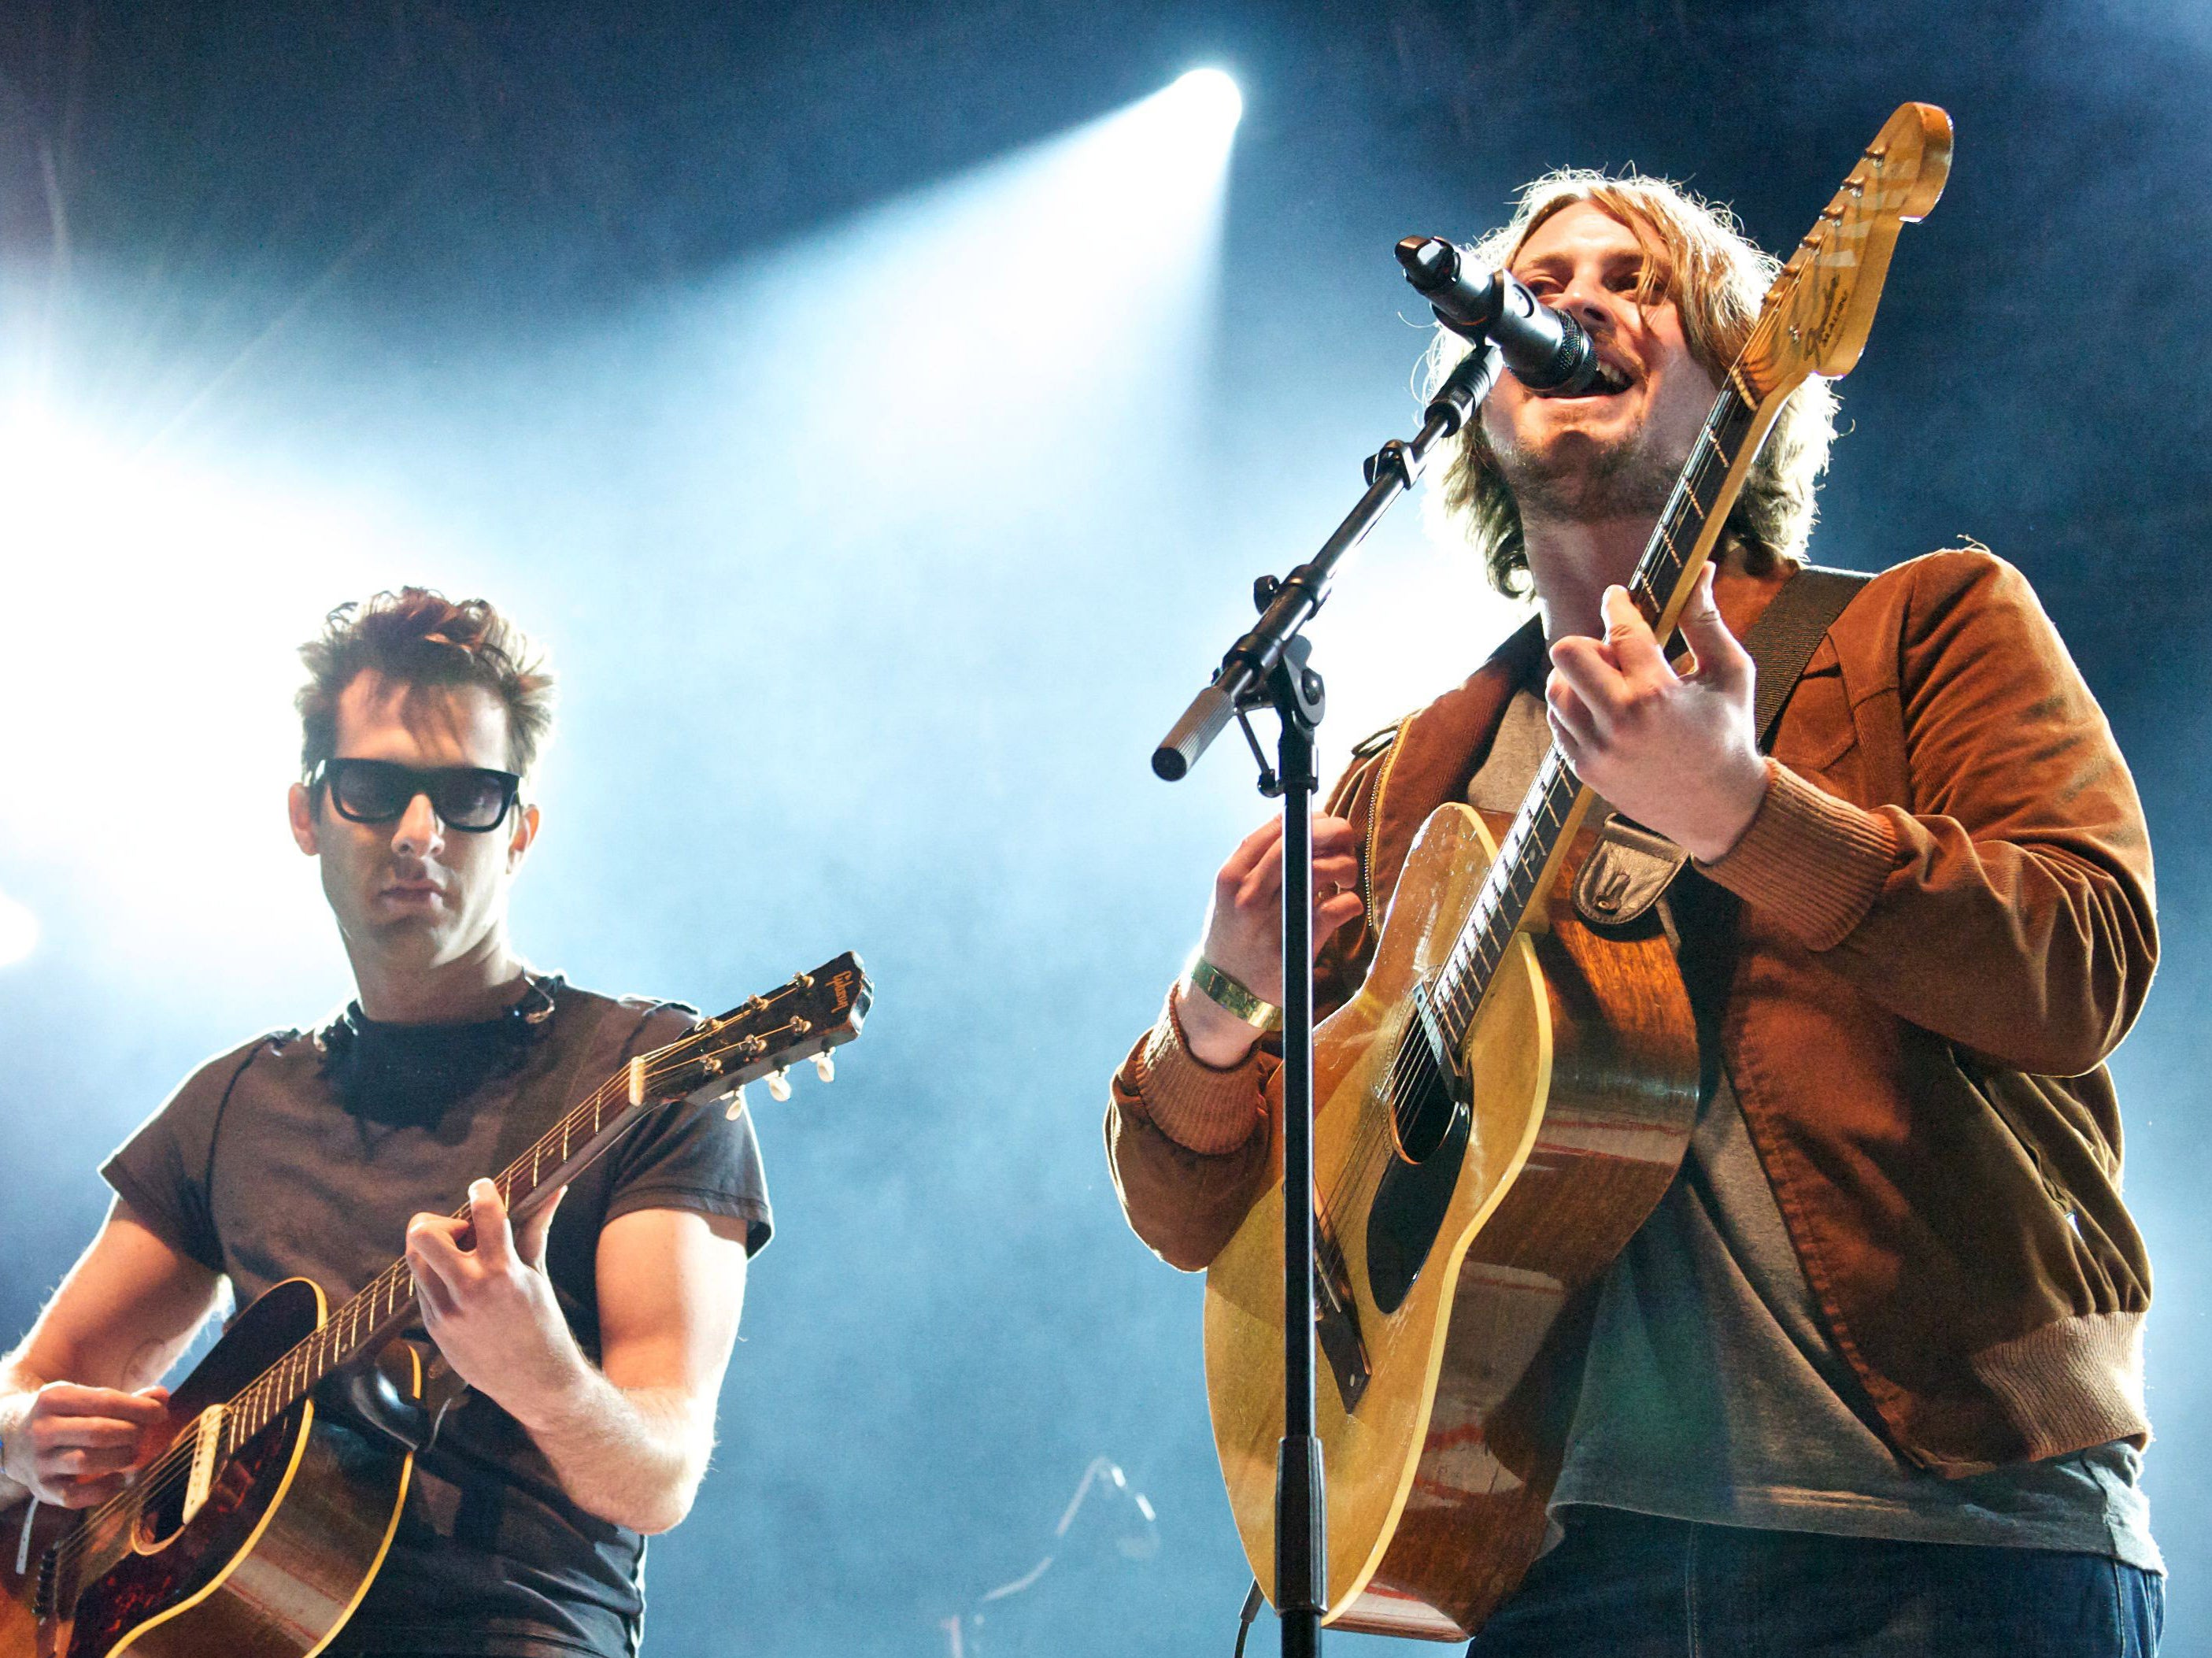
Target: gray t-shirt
x=1712, y=1391
x=262, y=1166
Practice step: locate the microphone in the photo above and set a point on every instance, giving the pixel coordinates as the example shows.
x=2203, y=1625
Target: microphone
x=1547, y=350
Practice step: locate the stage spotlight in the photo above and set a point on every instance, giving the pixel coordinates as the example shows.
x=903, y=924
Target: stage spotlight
x=18, y=931
x=1209, y=99
x=1012, y=329
x=1184, y=129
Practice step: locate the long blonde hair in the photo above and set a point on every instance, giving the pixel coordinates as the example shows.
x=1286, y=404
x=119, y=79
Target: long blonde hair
x=1698, y=256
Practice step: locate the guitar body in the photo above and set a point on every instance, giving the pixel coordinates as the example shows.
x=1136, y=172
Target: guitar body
x=293, y=1527
x=1456, y=1242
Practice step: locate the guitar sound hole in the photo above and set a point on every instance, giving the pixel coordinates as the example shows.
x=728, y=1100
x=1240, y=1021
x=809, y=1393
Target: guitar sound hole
x=1421, y=1101
x=1415, y=1191
x=163, y=1516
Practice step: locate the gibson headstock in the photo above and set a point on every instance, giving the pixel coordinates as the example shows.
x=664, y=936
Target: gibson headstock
x=764, y=1036
x=1818, y=312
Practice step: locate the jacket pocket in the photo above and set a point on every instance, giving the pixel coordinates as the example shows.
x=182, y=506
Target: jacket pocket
x=1987, y=1087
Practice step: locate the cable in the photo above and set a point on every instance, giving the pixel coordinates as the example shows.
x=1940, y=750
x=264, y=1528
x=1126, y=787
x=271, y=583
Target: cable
x=1244, y=1618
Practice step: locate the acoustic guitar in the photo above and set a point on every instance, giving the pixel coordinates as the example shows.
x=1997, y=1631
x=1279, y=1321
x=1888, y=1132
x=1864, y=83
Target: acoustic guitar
x=1508, y=1096
x=257, y=1533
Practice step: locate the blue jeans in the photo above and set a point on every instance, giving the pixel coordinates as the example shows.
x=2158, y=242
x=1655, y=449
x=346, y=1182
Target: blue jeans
x=1627, y=1586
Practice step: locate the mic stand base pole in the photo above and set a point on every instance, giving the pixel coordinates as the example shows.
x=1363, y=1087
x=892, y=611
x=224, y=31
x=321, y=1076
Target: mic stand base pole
x=1268, y=668
x=1301, y=1508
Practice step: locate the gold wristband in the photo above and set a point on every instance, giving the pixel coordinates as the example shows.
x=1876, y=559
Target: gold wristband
x=1231, y=997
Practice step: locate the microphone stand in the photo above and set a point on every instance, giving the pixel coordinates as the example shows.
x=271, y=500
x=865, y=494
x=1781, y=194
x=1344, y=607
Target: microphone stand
x=1268, y=667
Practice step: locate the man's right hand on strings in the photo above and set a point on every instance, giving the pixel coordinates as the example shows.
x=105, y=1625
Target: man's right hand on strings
x=75, y=1446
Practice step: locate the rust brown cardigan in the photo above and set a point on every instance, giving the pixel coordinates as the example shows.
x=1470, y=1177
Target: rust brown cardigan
x=1947, y=925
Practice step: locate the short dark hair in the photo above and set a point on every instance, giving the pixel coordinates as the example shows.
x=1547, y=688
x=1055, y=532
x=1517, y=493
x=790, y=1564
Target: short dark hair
x=422, y=638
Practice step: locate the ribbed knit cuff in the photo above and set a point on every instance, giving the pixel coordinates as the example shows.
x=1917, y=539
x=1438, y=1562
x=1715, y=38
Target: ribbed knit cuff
x=1203, y=1107
x=2072, y=1384
x=1812, y=862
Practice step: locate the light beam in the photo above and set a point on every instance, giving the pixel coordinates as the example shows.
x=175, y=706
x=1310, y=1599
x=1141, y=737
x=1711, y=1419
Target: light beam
x=19, y=931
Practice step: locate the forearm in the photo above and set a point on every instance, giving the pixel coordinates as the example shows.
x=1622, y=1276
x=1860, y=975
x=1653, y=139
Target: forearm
x=2036, y=953
x=78, y=1409
x=53, y=1427
x=1187, y=1133
x=1991, y=880
x=1209, y=1103
x=19, y=1385
x=631, y=1455
x=1188, y=1145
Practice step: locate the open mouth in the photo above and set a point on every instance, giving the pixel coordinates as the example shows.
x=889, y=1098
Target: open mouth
x=1609, y=382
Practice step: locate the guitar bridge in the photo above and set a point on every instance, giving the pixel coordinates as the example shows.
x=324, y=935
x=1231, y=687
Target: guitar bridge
x=52, y=1592
x=1336, y=1318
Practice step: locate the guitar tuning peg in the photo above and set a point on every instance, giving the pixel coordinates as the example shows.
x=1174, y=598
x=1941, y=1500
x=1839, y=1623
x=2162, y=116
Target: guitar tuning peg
x=825, y=1068
x=779, y=1084
x=737, y=1102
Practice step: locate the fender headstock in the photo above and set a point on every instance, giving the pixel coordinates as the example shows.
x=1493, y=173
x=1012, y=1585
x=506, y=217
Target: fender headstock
x=1821, y=306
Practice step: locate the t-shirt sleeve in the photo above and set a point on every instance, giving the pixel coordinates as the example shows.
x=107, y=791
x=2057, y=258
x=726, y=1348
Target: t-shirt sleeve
x=161, y=1171
x=691, y=1157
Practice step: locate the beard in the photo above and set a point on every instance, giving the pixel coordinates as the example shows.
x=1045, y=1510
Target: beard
x=1577, y=479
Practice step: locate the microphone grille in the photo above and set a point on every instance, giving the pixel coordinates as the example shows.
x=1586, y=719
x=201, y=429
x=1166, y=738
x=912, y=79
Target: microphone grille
x=1574, y=365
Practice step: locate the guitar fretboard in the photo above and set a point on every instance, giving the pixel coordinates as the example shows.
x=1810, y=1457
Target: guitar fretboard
x=371, y=1317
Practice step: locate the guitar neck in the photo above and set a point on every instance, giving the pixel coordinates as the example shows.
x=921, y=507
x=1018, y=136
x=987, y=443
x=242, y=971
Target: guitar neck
x=362, y=1326
x=1529, y=857
x=763, y=1037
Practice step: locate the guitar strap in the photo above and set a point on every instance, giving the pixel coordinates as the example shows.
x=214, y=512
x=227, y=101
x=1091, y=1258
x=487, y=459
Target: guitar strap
x=1789, y=630
x=1631, y=866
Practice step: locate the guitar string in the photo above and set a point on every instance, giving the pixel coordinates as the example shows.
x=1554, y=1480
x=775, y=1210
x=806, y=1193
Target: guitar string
x=1528, y=828
x=1413, y=1056
x=160, y=1476
x=1417, y=1069
x=1477, y=955
x=1471, y=948
x=1373, y=1144
x=1371, y=1147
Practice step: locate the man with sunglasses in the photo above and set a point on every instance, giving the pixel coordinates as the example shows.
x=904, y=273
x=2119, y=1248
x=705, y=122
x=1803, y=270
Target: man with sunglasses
x=594, y=1336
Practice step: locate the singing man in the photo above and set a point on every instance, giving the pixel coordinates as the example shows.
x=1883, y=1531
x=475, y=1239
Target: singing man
x=1869, y=1379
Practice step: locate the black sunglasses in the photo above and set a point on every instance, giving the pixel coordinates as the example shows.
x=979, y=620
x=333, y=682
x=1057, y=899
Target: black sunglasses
x=470, y=798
